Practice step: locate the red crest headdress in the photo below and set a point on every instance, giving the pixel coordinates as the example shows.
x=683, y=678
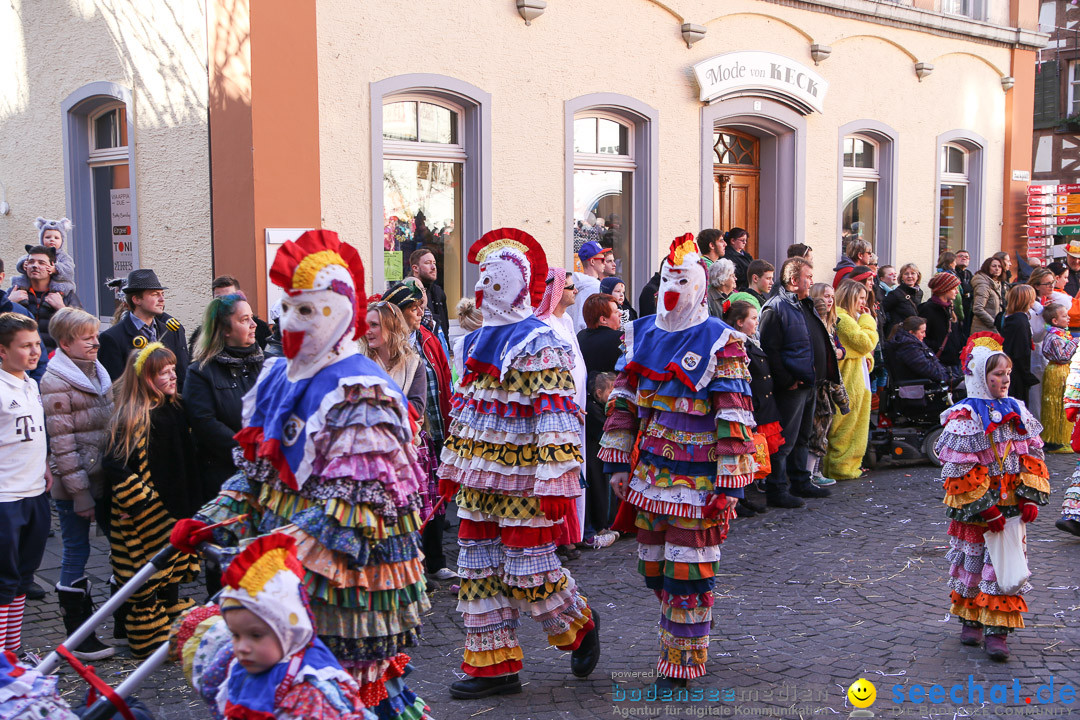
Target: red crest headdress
x=319, y=260
x=519, y=242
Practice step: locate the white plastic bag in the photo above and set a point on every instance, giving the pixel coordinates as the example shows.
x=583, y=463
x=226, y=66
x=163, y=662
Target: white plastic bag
x=1008, y=554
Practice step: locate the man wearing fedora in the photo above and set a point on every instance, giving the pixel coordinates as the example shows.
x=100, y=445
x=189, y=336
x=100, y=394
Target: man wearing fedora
x=145, y=322
x=1072, y=260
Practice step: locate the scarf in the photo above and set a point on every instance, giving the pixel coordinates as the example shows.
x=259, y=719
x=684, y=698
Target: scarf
x=556, y=283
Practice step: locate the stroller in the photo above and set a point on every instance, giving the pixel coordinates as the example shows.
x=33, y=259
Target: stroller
x=908, y=423
x=105, y=701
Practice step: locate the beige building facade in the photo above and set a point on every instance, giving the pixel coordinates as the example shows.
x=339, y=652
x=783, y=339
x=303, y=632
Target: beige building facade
x=405, y=124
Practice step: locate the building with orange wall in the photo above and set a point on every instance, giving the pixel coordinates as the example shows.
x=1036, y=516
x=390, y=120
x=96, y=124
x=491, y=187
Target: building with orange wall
x=405, y=124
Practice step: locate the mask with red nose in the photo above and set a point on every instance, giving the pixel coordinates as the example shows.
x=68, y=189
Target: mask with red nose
x=325, y=307
x=513, y=272
x=683, y=284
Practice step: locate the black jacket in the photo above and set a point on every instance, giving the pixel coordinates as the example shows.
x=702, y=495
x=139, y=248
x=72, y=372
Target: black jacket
x=761, y=386
x=436, y=300
x=1073, y=285
x=1017, y=335
x=9, y=305
x=785, y=338
x=944, y=337
x=173, y=464
x=213, y=400
x=909, y=358
x=118, y=341
x=43, y=312
x=741, y=261
x=900, y=304
x=647, y=298
x=601, y=348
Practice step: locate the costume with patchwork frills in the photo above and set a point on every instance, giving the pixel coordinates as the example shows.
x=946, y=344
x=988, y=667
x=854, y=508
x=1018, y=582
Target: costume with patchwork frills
x=513, y=457
x=329, y=462
x=680, y=421
x=1058, y=348
x=1070, y=505
x=992, y=455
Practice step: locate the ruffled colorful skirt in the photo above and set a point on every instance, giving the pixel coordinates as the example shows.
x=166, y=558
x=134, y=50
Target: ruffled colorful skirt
x=1056, y=429
x=512, y=458
x=975, y=595
x=1070, y=506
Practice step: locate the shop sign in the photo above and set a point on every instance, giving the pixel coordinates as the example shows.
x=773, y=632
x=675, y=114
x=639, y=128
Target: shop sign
x=123, y=241
x=755, y=72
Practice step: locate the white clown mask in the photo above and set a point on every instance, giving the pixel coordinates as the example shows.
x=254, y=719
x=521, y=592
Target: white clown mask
x=502, y=292
x=680, y=302
x=513, y=272
x=323, y=281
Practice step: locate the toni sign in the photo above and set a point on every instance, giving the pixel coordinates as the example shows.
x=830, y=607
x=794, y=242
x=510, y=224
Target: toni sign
x=754, y=72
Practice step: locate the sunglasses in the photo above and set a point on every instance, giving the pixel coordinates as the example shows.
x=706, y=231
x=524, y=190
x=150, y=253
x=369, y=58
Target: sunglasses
x=569, y=287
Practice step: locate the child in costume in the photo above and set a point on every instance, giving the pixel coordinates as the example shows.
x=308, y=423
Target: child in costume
x=513, y=461
x=1058, y=348
x=743, y=316
x=53, y=234
x=151, y=472
x=1070, y=506
x=254, y=655
x=992, y=469
x=326, y=458
x=678, y=442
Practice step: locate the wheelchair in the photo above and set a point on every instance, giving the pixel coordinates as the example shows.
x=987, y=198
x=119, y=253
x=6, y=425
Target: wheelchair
x=908, y=422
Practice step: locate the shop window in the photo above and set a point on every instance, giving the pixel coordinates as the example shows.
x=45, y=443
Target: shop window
x=860, y=200
x=98, y=157
x=952, y=198
x=423, y=162
x=604, y=167
x=431, y=178
x=960, y=193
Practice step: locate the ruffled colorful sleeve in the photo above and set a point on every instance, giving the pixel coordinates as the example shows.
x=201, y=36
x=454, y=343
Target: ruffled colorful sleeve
x=201, y=642
x=1072, y=388
x=621, y=426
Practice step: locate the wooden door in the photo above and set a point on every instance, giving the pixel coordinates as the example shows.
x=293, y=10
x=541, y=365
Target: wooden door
x=737, y=177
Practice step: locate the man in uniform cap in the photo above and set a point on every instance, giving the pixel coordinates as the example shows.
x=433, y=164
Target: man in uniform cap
x=145, y=322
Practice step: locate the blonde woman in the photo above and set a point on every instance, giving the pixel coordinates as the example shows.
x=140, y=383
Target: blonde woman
x=857, y=330
x=469, y=318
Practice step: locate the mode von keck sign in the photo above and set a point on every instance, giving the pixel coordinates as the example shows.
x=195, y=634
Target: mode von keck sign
x=761, y=73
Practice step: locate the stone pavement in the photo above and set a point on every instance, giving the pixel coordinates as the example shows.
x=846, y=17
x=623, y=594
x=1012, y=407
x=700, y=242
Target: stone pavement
x=807, y=602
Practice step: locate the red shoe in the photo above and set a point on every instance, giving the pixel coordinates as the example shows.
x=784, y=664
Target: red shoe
x=997, y=648
x=971, y=635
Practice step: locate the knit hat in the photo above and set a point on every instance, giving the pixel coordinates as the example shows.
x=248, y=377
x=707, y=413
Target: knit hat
x=607, y=285
x=943, y=282
x=402, y=294
x=62, y=226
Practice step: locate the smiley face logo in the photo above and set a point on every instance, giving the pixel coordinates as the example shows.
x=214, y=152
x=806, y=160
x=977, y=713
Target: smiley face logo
x=862, y=693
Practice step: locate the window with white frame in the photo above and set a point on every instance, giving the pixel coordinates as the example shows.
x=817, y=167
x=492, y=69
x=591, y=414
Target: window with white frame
x=974, y=9
x=604, y=167
x=423, y=165
x=1074, y=88
x=862, y=178
x=953, y=181
x=110, y=186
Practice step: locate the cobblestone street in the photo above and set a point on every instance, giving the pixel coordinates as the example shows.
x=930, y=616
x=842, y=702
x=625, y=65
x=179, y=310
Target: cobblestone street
x=807, y=601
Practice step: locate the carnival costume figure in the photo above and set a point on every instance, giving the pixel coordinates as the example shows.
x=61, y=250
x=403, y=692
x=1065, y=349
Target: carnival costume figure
x=992, y=470
x=1070, y=505
x=326, y=458
x=512, y=461
x=679, y=443
x=265, y=663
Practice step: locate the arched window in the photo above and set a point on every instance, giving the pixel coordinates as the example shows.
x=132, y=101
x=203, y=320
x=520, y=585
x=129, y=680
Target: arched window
x=432, y=177
x=861, y=180
x=611, y=164
x=952, y=199
x=423, y=163
x=604, y=166
x=100, y=185
x=960, y=183
x=867, y=186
